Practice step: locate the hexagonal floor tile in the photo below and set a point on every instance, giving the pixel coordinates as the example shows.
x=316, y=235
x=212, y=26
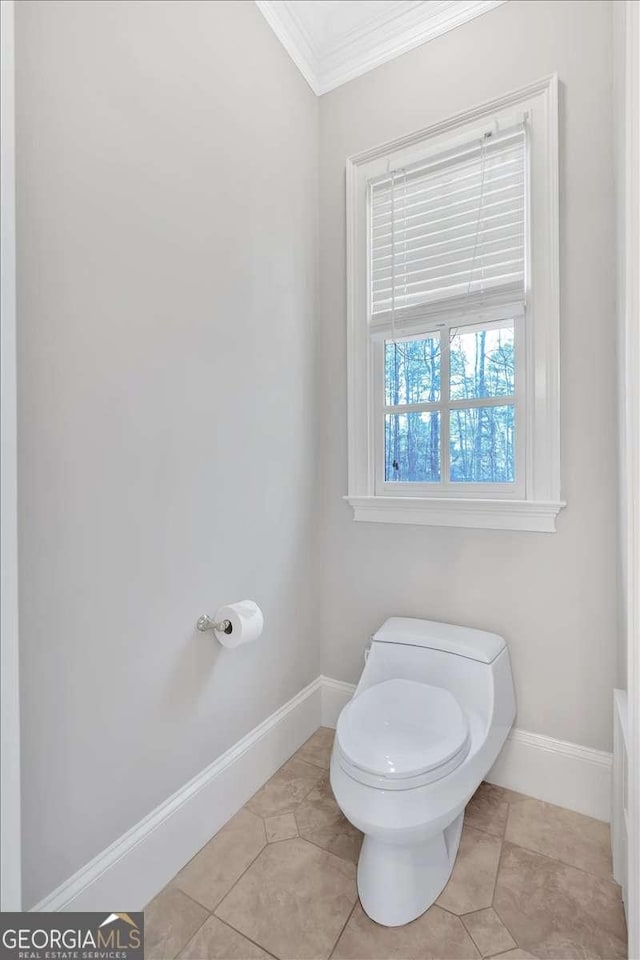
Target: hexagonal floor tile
x=487, y=810
x=562, y=834
x=320, y=820
x=318, y=748
x=436, y=935
x=474, y=874
x=555, y=911
x=286, y=789
x=213, y=871
x=293, y=901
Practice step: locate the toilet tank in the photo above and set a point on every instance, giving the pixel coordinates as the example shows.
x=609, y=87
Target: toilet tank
x=473, y=664
x=447, y=637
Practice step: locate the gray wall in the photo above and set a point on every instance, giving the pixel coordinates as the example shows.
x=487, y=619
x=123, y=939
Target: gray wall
x=167, y=242
x=552, y=596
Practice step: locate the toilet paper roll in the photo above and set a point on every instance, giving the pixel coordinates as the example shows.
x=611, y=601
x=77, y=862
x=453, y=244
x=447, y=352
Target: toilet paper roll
x=245, y=623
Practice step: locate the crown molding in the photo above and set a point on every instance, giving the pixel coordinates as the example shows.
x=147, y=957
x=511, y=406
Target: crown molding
x=287, y=28
x=394, y=31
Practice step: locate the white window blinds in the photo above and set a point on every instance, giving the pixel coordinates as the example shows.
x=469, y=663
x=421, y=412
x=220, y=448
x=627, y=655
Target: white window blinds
x=449, y=233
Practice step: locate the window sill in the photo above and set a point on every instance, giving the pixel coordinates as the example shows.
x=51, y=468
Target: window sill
x=534, y=515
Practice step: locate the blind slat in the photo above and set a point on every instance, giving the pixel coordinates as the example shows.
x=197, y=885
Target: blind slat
x=441, y=266
x=497, y=273
x=492, y=204
x=408, y=262
x=449, y=238
x=449, y=228
x=423, y=192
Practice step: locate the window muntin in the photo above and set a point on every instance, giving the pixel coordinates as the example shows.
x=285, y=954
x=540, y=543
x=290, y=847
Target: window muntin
x=449, y=401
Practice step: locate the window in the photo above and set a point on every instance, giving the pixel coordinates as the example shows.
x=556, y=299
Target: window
x=453, y=429
x=453, y=321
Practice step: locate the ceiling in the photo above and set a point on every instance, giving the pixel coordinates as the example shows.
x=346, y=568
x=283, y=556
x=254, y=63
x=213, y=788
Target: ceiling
x=333, y=41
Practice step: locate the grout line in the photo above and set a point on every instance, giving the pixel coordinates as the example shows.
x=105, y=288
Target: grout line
x=206, y=844
x=254, y=942
x=296, y=755
x=446, y=909
x=324, y=850
x=506, y=819
x=495, y=956
x=236, y=882
x=188, y=941
x=176, y=886
x=470, y=935
x=185, y=945
x=211, y=910
x=311, y=763
x=344, y=927
x=495, y=879
x=504, y=839
x=571, y=866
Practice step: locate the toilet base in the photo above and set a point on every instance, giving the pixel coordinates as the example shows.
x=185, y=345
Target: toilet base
x=398, y=882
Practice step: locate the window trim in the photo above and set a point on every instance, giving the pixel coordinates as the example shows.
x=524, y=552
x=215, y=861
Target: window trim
x=537, y=506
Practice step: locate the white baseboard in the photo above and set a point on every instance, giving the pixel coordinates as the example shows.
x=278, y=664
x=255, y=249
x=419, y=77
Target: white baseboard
x=567, y=774
x=335, y=695
x=135, y=867
x=619, y=791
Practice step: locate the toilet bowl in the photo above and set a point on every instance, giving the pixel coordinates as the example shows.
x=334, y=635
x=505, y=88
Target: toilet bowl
x=428, y=719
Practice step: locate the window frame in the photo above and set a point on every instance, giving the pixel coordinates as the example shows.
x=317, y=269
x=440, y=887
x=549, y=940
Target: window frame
x=534, y=500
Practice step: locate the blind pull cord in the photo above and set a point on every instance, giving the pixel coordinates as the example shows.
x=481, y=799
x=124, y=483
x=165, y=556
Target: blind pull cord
x=483, y=157
x=393, y=256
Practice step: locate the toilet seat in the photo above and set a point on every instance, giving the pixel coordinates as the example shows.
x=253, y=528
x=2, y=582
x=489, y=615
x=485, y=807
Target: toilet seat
x=401, y=734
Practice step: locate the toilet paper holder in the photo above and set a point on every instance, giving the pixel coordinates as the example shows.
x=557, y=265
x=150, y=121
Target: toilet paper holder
x=205, y=622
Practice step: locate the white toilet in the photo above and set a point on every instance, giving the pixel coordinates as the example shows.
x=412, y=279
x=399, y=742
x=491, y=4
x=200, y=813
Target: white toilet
x=430, y=714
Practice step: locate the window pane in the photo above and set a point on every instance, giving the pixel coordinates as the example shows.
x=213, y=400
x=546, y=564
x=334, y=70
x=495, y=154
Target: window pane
x=412, y=370
x=412, y=447
x=482, y=362
x=481, y=445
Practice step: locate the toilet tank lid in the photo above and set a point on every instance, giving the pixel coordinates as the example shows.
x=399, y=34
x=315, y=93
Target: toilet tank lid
x=463, y=641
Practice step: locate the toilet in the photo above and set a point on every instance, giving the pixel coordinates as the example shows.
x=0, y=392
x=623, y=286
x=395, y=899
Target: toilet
x=429, y=717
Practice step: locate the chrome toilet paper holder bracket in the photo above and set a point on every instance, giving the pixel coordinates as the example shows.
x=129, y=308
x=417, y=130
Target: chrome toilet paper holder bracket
x=205, y=622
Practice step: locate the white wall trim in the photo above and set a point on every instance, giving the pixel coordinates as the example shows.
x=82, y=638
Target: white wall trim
x=10, y=836
x=630, y=437
x=363, y=55
x=619, y=797
x=287, y=29
x=335, y=695
x=376, y=40
x=139, y=863
x=532, y=515
x=557, y=771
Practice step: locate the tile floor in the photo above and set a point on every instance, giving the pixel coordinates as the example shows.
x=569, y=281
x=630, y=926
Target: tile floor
x=279, y=880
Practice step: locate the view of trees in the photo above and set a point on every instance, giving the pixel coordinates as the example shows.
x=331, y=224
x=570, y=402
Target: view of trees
x=481, y=437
